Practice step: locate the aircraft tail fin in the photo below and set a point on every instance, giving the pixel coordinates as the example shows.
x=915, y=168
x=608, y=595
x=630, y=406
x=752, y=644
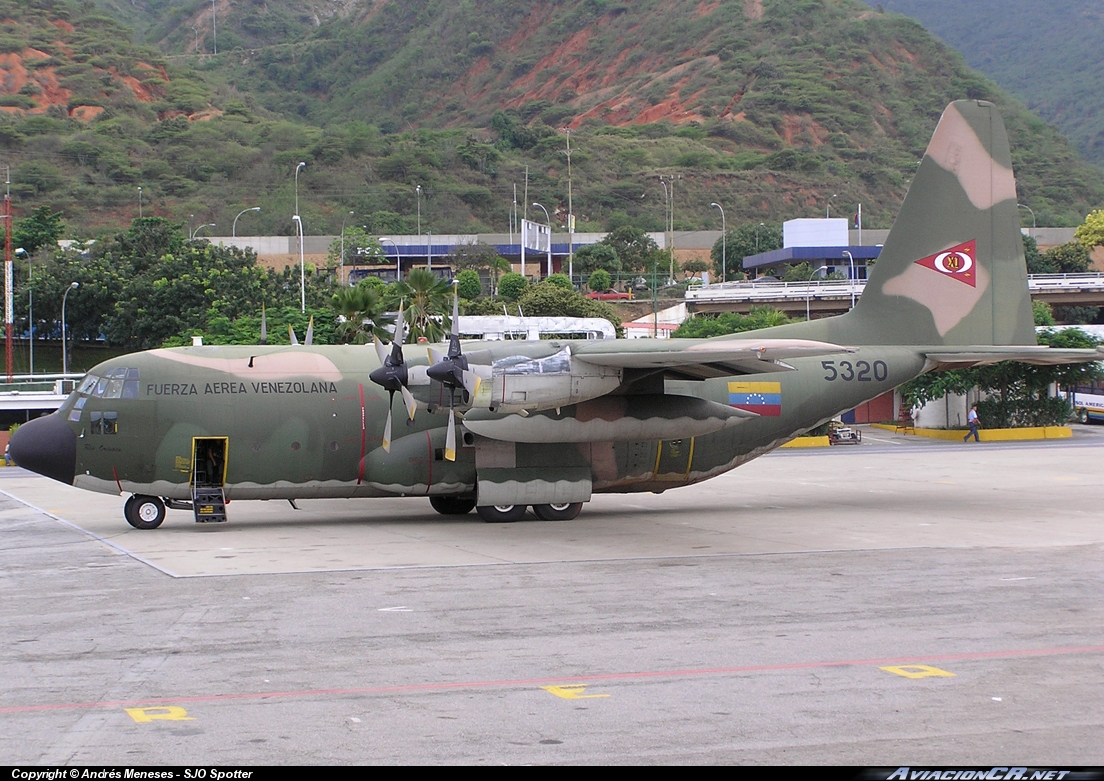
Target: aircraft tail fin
x=952, y=271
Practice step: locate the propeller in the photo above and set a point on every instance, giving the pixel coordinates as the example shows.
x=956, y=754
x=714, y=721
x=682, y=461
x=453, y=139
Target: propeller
x=291, y=335
x=451, y=370
x=392, y=376
x=310, y=333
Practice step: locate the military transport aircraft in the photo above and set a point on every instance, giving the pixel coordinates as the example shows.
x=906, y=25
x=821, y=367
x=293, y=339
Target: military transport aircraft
x=545, y=424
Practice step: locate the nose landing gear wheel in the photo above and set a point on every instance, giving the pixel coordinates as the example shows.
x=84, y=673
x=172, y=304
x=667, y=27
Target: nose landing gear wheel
x=501, y=513
x=557, y=512
x=144, y=512
x=452, y=505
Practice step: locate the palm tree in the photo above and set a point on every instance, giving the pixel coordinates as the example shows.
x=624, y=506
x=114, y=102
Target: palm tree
x=364, y=311
x=428, y=300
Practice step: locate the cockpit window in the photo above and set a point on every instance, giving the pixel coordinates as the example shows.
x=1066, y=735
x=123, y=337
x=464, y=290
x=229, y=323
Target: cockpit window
x=87, y=384
x=114, y=389
x=101, y=386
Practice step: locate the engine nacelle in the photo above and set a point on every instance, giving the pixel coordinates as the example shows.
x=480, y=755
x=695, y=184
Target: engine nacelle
x=522, y=384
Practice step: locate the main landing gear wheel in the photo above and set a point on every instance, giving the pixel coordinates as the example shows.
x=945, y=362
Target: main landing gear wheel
x=557, y=512
x=1082, y=415
x=144, y=512
x=501, y=513
x=452, y=505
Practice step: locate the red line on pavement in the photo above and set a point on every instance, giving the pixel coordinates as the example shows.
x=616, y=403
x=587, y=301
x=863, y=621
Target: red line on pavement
x=596, y=678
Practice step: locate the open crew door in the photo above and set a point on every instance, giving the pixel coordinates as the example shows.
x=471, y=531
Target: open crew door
x=208, y=478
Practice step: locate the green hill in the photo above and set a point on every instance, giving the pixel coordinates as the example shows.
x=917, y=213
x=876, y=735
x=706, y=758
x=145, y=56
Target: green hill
x=770, y=108
x=1049, y=55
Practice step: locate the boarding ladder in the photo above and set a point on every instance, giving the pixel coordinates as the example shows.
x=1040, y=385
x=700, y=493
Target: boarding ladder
x=209, y=504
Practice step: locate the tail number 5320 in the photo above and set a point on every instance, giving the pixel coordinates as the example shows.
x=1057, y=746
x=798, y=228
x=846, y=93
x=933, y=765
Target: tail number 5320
x=860, y=371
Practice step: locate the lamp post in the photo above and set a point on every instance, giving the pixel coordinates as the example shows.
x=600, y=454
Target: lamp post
x=196, y=50
x=667, y=219
x=549, y=221
x=851, y=279
x=234, y=229
x=302, y=268
x=828, y=207
x=30, y=301
x=1022, y=206
x=398, y=260
x=418, y=194
x=214, y=29
x=139, y=203
x=201, y=227
x=347, y=216
x=724, y=242
x=298, y=168
x=757, y=227
x=64, y=350
x=809, y=292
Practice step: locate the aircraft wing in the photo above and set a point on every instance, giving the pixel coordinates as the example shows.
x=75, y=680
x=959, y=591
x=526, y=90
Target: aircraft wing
x=985, y=355
x=702, y=358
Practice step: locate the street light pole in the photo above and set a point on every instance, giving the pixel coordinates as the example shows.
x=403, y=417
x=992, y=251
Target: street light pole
x=30, y=301
x=234, y=229
x=1022, y=206
x=549, y=221
x=347, y=216
x=398, y=260
x=828, y=206
x=298, y=168
x=724, y=242
x=851, y=280
x=201, y=227
x=64, y=349
x=139, y=203
x=809, y=292
x=196, y=50
x=302, y=268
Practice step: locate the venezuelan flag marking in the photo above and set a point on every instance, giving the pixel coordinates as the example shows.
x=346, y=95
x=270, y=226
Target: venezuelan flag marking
x=762, y=398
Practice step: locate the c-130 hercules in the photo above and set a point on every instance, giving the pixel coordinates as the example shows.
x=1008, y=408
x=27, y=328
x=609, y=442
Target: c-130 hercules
x=546, y=424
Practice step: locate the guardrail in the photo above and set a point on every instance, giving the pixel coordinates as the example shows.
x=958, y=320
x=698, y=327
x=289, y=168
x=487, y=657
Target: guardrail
x=774, y=290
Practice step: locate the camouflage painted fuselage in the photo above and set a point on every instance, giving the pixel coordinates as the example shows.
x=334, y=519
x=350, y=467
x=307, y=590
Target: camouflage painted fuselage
x=307, y=422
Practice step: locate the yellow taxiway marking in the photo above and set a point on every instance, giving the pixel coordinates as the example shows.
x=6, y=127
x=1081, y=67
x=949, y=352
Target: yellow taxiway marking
x=917, y=671
x=573, y=692
x=161, y=713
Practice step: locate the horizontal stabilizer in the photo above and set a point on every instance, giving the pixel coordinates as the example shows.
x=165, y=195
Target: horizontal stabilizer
x=1040, y=356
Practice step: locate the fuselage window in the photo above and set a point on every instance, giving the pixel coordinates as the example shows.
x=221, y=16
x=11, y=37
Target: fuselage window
x=111, y=423
x=96, y=423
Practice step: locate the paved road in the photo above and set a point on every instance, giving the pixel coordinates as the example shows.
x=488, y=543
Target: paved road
x=750, y=619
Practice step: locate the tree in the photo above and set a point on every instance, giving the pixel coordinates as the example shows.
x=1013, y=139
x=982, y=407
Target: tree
x=363, y=311
x=511, y=286
x=560, y=280
x=695, y=266
x=42, y=229
x=597, y=256
x=1036, y=264
x=1042, y=313
x=599, y=281
x=1017, y=392
x=1091, y=232
x=731, y=323
x=635, y=249
x=427, y=301
x=479, y=257
x=1069, y=258
x=468, y=285
x=360, y=247
x=551, y=300
x=740, y=242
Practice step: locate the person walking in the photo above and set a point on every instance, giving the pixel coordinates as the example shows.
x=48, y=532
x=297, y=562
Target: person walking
x=972, y=422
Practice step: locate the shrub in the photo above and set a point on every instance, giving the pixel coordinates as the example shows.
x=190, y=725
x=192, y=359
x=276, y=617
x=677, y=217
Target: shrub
x=511, y=286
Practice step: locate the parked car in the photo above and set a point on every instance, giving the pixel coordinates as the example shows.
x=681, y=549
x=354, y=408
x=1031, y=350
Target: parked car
x=610, y=295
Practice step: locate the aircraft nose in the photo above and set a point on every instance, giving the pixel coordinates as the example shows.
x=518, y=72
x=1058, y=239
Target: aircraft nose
x=48, y=446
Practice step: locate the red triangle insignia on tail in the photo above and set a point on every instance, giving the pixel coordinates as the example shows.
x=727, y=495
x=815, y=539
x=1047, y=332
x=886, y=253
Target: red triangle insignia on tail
x=957, y=262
